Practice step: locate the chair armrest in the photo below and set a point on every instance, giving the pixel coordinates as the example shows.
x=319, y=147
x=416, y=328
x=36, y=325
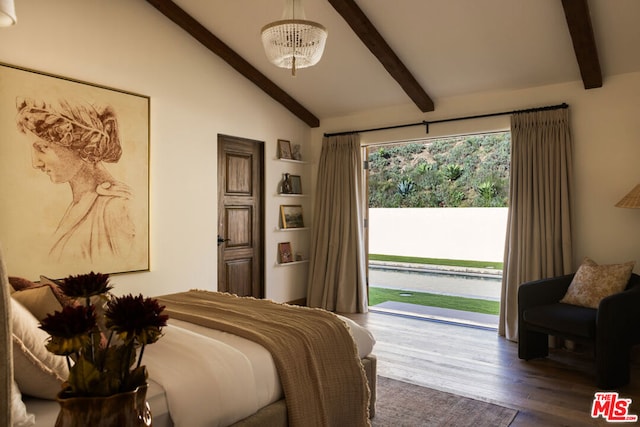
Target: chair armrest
x=543, y=291
x=620, y=314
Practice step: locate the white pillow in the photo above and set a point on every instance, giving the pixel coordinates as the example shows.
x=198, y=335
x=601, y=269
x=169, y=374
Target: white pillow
x=37, y=371
x=363, y=337
x=19, y=414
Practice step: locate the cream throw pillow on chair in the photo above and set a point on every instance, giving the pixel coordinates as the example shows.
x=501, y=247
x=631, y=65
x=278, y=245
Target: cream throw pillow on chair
x=592, y=282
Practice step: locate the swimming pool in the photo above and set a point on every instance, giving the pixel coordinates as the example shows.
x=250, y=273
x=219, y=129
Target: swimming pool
x=485, y=285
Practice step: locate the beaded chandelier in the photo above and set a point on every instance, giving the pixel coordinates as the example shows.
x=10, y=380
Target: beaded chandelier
x=293, y=42
x=7, y=13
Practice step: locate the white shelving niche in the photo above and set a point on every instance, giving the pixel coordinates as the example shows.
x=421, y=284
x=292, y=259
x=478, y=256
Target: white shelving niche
x=297, y=236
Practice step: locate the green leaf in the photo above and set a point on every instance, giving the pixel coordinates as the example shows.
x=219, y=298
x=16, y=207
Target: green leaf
x=83, y=377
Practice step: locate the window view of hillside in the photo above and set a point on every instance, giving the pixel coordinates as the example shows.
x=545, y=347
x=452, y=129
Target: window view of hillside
x=465, y=171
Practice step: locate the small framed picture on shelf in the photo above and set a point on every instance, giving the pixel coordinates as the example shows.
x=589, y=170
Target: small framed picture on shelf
x=296, y=184
x=284, y=252
x=295, y=152
x=291, y=216
x=284, y=149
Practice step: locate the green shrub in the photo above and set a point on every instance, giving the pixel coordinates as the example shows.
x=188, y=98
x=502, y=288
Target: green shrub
x=446, y=172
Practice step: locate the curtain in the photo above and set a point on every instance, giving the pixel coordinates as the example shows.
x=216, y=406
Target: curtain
x=538, y=238
x=6, y=370
x=337, y=275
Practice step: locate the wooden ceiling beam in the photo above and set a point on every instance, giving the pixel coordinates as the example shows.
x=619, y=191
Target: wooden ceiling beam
x=584, y=43
x=217, y=46
x=370, y=36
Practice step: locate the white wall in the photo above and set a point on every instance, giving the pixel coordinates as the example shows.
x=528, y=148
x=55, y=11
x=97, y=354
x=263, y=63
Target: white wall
x=195, y=96
x=475, y=234
x=605, y=124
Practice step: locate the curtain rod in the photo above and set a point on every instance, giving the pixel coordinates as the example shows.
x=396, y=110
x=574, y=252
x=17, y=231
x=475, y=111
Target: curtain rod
x=426, y=123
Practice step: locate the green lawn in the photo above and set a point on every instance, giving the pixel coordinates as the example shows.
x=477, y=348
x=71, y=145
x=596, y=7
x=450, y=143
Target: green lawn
x=437, y=261
x=379, y=295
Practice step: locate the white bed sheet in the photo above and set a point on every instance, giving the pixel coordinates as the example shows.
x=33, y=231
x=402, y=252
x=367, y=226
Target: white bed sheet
x=257, y=361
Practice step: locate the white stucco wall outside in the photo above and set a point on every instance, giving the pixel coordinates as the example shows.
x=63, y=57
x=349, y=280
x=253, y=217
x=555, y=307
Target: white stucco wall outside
x=475, y=234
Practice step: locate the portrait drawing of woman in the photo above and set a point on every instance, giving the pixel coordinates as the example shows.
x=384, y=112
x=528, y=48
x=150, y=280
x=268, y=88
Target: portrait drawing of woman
x=71, y=144
x=74, y=176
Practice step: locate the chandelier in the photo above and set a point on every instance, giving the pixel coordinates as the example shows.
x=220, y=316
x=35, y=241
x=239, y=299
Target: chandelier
x=7, y=13
x=293, y=42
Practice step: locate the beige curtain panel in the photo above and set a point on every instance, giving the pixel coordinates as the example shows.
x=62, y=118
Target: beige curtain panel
x=337, y=275
x=6, y=373
x=538, y=238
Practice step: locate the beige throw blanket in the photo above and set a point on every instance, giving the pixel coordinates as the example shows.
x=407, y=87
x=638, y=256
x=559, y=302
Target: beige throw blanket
x=322, y=377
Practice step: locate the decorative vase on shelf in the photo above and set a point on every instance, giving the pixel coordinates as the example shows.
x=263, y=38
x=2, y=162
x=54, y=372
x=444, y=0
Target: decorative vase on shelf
x=128, y=409
x=286, y=184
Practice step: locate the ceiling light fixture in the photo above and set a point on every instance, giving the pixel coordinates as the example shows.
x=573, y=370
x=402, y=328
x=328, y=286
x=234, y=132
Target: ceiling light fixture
x=293, y=42
x=7, y=13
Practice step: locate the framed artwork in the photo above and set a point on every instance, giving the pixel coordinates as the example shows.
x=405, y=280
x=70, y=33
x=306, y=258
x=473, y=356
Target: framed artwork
x=284, y=252
x=74, y=176
x=284, y=149
x=295, y=152
x=296, y=184
x=291, y=216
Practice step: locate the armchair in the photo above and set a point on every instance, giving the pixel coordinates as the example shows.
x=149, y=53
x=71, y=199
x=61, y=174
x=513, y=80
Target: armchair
x=613, y=328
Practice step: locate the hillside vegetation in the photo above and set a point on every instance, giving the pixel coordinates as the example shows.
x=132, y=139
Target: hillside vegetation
x=449, y=172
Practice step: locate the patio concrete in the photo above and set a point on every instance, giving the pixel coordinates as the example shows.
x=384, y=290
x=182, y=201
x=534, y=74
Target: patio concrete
x=467, y=318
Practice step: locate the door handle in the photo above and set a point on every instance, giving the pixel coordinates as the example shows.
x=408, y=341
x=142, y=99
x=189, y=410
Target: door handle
x=221, y=240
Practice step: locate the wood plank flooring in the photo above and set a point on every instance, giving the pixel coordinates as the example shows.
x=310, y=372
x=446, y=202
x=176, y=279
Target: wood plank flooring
x=478, y=363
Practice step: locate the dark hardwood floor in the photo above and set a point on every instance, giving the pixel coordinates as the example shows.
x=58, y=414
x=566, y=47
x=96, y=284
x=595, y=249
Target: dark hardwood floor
x=477, y=363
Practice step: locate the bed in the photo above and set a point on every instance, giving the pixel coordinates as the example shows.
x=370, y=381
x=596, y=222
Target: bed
x=233, y=379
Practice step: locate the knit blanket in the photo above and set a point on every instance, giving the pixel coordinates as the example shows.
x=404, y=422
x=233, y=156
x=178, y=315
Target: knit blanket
x=322, y=378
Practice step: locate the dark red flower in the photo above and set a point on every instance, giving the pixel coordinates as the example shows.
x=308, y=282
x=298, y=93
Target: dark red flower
x=136, y=319
x=85, y=285
x=70, y=329
x=88, y=335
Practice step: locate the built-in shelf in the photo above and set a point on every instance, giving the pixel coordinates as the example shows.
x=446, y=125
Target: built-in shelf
x=292, y=229
x=284, y=264
x=302, y=162
x=292, y=195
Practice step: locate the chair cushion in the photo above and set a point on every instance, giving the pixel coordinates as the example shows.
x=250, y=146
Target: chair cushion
x=592, y=282
x=564, y=318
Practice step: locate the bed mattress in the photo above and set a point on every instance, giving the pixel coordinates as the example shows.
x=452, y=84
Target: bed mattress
x=217, y=368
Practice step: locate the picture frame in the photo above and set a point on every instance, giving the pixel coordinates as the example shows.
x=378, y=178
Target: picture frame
x=285, y=254
x=49, y=233
x=296, y=184
x=284, y=149
x=295, y=152
x=291, y=216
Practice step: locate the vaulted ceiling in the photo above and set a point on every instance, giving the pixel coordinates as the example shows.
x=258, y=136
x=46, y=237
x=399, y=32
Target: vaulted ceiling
x=381, y=53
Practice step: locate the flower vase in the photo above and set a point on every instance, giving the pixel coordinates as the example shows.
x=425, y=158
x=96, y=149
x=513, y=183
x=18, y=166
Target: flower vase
x=128, y=409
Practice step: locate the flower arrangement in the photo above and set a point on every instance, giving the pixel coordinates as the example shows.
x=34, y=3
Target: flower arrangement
x=103, y=335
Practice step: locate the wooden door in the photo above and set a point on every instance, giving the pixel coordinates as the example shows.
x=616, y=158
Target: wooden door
x=240, y=216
